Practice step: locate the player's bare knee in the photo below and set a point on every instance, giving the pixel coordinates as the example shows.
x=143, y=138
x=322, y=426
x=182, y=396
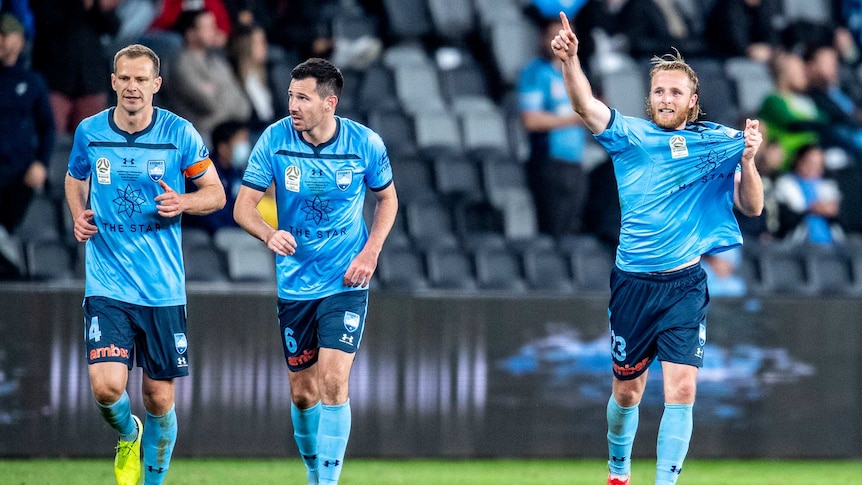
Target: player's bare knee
x=107, y=392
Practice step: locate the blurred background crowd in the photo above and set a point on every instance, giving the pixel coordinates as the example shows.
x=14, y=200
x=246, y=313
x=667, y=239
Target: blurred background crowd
x=501, y=187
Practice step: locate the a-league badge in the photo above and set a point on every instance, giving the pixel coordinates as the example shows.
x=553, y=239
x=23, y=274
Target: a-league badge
x=343, y=178
x=181, y=343
x=156, y=169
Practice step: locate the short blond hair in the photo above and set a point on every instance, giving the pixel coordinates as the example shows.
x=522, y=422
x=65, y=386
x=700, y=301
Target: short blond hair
x=675, y=62
x=135, y=51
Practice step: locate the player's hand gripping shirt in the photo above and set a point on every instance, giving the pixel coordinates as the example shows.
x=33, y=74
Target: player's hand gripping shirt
x=320, y=194
x=676, y=190
x=136, y=255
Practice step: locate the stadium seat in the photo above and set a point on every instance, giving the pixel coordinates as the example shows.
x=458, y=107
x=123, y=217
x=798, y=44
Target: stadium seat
x=783, y=272
x=451, y=269
x=430, y=226
x=437, y=133
x=831, y=273
x=499, y=269
x=41, y=220
x=513, y=43
x=752, y=82
x=418, y=89
x=405, y=55
x=48, y=260
x=402, y=270
x=464, y=81
x=195, y=237
x=485, y=131
x=227, y=238
x=204, y=264
x=625, y=89
x=413, y=180
x=407, y=19
x=547, y=270
x=377, y=90
x=717, y=96
x=591, y=270
x=396, y=129
x=453, y=20
x=456, y=178
x=251, y=264
x=499, y=176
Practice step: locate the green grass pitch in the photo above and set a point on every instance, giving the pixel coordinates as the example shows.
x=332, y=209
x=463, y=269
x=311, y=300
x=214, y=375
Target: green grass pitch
x=438, y=472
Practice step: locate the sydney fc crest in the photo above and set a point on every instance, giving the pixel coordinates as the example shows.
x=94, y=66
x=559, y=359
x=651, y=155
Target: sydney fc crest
x=351, y=321
x=343, y=178
x=181, y=343
x=156, y=170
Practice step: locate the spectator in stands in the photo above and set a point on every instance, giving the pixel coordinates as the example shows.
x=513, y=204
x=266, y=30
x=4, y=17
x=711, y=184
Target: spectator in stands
x=207, y=91
x=26, y=124
x=303, y=27
x=557, y=139
x=653, y=27
x=722, y=273
x=22, y=12
x=67, y=51
x=809, y=204
x=741, y=28
x=843, y=116
x=231, y=148
x=247, y=52
x=791, y=117
x=172, y=10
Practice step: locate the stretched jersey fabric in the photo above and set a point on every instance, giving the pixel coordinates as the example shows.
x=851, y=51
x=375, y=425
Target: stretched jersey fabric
x=136, y=255
x=675, y=188
x=320, y=193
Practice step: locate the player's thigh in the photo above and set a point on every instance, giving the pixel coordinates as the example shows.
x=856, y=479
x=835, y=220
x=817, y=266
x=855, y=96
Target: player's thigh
x=297, y=321
x=109, y=331
x=162, y=343
x=108, y=381
x=341, y=320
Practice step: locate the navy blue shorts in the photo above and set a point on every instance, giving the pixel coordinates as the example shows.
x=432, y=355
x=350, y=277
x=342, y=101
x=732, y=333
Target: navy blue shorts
x=657, y=315
x=333, y=322
x=116, y=331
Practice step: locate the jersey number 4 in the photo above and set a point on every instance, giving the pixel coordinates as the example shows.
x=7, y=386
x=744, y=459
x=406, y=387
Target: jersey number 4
x=93, y=331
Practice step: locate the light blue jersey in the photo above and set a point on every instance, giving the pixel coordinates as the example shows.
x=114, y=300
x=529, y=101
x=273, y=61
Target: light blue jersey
x=676, y=190
x=541, y=88
x=136, y=255
x=320, y=194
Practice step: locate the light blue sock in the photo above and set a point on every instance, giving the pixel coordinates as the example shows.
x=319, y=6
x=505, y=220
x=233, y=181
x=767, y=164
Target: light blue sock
x=306, y=422
x=160, y=435
x=334, y=432
x=622, y=426
x=119, y=416
x=674, y=434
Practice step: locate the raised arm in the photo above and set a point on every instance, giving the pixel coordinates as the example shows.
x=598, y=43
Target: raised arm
x=748, y=186
x=595, y=113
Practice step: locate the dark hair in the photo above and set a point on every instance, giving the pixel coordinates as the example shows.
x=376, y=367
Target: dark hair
x=188, y=20
x=135, y=51
x=226, y=130
x=329, y=79
x=803, y=152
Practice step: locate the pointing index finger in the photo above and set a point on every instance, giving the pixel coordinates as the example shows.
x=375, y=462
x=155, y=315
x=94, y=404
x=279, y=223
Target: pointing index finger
x=565, y=20
x=164, y=185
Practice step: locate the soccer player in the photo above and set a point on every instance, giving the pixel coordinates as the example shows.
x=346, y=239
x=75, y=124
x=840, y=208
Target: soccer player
x=125, y=164
x=321, y=165
x=678, y=181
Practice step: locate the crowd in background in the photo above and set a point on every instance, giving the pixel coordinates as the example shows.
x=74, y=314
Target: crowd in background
x=226, y=66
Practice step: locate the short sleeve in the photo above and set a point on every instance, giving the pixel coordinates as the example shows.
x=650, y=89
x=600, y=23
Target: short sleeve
x=379, y=173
